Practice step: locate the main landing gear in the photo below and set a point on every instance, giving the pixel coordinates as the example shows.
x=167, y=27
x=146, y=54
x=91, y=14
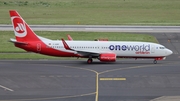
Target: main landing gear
x=90, y=60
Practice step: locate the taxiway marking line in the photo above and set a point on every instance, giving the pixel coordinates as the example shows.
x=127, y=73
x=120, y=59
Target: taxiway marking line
x=112, y=79
x=51, y=98
x=135, y=67
x=97, y=86
x=6, y=88
x=98, y=73
x=91, y=70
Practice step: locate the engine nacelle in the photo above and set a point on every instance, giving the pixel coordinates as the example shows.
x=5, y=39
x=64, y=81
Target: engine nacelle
x=107, y=57
x=160, y=58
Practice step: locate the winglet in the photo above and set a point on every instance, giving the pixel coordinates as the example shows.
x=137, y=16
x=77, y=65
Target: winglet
x=65, y=45
x=69, y=38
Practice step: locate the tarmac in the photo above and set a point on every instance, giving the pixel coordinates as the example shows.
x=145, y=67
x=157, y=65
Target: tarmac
x=74, y=80
x=99, y=28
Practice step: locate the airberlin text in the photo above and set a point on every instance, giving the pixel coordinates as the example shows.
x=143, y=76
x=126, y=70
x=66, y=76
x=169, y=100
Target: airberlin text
x=139, y=49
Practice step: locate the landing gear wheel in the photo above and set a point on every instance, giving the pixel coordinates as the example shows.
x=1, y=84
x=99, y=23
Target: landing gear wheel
x=89, y=61
x=155, y=61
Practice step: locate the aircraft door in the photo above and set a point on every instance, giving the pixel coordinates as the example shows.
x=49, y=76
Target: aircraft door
x=38, y=47
x=152, y=49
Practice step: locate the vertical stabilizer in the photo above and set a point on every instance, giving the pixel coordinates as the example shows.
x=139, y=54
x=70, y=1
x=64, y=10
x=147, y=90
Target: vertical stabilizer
x=21, y=29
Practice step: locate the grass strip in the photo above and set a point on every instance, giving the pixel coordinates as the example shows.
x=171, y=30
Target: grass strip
x=94, y=12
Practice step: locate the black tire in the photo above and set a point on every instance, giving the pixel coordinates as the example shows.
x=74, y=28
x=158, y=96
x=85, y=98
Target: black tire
x=89, y=61
x=155, y=61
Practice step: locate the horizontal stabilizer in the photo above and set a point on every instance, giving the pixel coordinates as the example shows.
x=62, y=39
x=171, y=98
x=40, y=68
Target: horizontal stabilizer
x=17, y=42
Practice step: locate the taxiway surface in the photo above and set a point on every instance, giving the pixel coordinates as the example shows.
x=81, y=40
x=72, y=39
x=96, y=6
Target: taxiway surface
x=74, y=80
x=99, y=28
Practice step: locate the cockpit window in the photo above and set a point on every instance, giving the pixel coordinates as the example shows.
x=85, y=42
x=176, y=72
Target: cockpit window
x=161, y=47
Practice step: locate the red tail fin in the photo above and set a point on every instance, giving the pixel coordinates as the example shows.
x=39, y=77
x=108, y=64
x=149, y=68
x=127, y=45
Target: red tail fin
x=21, y=29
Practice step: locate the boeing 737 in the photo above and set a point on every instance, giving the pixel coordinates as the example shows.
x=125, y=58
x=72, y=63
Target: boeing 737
x=105, y=51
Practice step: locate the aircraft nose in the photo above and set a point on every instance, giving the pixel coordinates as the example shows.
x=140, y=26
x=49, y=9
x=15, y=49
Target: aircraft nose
x=169, y=52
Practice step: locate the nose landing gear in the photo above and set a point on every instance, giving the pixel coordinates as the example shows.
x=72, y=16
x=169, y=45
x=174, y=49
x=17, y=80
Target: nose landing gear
x=158, y=58
x=155, y=61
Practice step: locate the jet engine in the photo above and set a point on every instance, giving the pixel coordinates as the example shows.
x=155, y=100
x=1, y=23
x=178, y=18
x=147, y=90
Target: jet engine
x=107, y=57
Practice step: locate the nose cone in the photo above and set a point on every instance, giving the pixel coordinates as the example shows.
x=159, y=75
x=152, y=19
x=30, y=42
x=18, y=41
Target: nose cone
x=168, y=52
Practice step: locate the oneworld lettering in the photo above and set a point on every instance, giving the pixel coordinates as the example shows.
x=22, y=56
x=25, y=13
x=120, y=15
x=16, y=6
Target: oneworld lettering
x=140, y=48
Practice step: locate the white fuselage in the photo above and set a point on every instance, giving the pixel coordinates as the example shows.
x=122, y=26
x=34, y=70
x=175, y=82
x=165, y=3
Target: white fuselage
x=120, y=48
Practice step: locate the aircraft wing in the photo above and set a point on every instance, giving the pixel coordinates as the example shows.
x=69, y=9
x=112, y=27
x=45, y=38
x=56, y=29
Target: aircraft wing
x=82, y=52
x=87, y=53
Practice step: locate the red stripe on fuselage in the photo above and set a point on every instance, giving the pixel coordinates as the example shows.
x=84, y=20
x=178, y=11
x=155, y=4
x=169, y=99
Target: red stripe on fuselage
x=41, y=48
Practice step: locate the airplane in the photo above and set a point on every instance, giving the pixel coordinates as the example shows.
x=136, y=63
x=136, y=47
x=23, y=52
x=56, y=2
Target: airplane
x=105, y=51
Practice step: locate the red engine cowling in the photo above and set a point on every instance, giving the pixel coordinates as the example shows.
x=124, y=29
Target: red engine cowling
x=107, y=57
